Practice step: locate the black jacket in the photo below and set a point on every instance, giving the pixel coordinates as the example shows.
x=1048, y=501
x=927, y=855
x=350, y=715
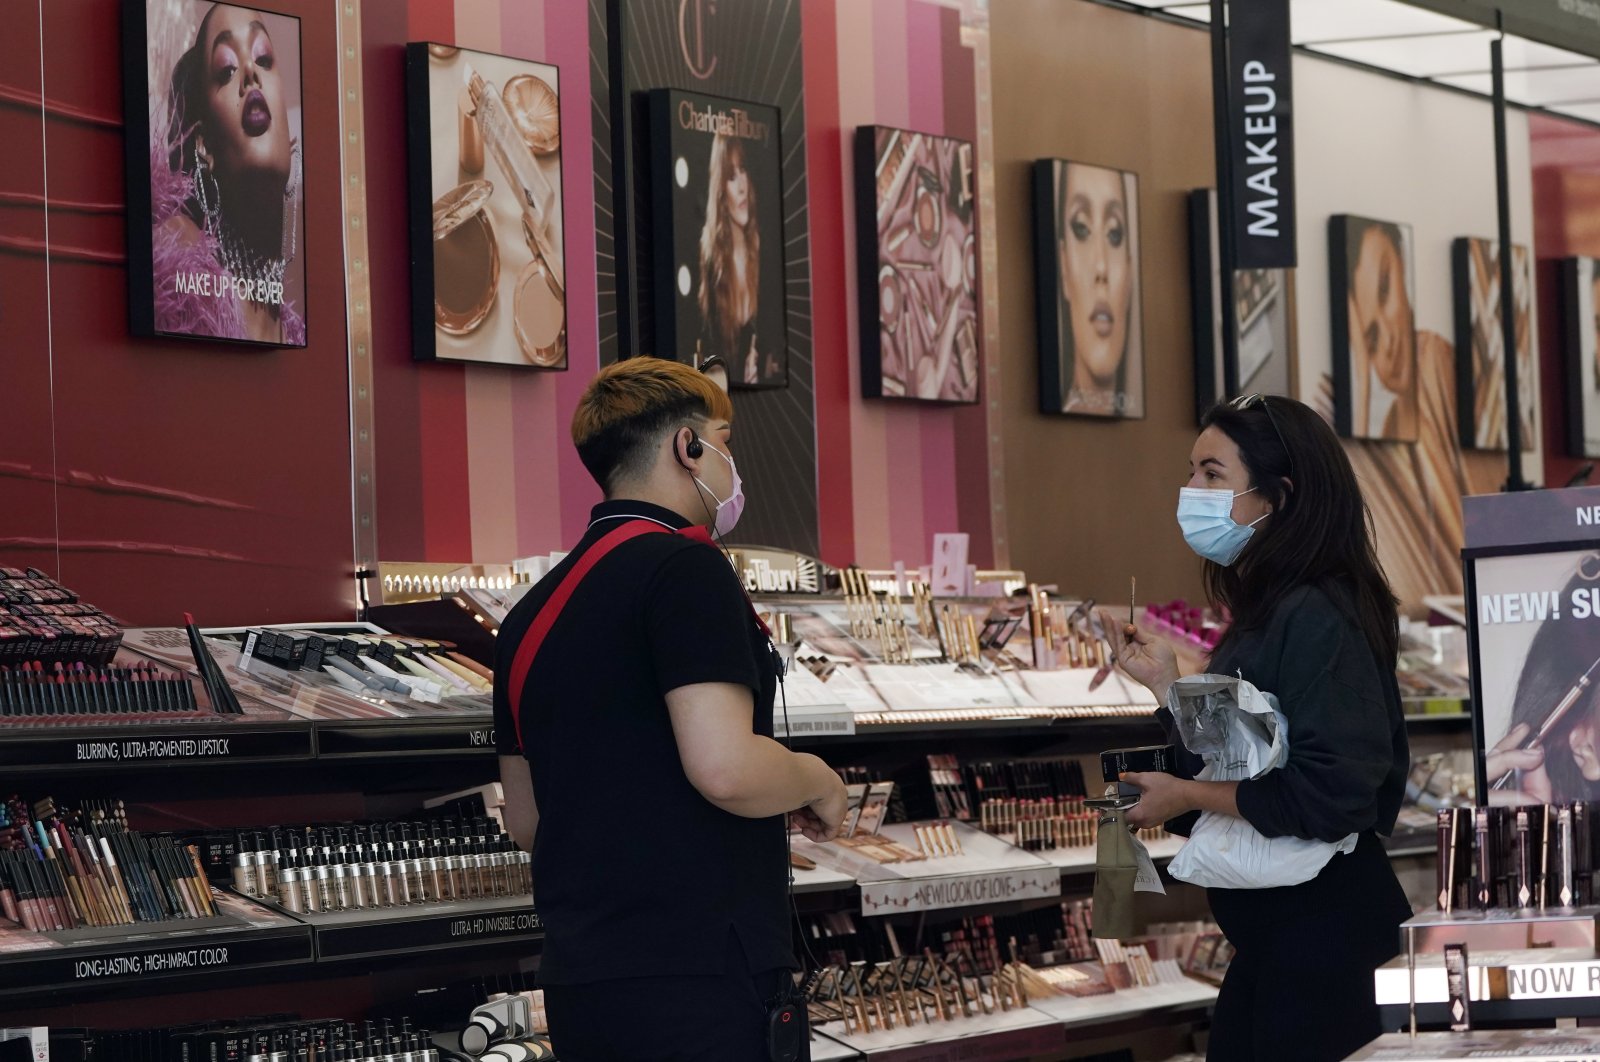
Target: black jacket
x=1348, y=754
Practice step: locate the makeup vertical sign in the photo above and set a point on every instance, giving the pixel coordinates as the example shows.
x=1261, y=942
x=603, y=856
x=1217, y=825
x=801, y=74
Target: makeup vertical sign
x=1261, y=141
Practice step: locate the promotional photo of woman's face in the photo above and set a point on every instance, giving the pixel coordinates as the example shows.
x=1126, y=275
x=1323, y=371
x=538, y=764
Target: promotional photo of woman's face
x=1096, y=278
x=1595, y=304
x=736, y=185
x=1383, y=337
x=243, y=120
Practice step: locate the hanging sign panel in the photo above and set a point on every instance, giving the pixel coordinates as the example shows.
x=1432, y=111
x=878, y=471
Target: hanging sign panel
x=1261, y=111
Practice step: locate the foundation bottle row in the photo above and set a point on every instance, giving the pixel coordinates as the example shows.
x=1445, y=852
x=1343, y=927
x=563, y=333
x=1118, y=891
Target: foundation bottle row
x=380, y=865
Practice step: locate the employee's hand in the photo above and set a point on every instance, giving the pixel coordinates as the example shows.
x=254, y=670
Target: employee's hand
x=1151, y=662
x=1162, y=797
x=821, y=818
x=1509, y=755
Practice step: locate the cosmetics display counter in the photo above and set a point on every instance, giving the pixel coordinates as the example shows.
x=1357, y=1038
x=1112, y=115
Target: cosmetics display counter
x=1511, y=987
x=243, y=937
x=1494, y=1045
x=1172, y=996
x=933, y=866
x=994, y=1037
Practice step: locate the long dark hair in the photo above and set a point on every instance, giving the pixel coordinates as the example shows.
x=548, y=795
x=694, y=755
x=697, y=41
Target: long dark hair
x=1320, y=532
x=1559, y=655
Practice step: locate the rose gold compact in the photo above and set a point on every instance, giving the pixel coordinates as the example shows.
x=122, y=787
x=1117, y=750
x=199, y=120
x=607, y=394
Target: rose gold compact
x=539, y=311
x=466, y=259
x=442, y=51
x=535, y=111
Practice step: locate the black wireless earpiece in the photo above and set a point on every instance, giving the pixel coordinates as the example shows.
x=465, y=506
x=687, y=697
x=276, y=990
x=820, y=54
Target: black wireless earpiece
x=693, y=448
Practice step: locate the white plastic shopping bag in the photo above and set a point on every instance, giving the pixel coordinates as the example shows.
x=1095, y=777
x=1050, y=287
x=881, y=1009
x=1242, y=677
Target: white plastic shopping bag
x=1240, y=733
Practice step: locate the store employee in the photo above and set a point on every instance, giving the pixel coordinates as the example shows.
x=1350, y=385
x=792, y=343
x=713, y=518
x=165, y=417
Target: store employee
x=634, y=688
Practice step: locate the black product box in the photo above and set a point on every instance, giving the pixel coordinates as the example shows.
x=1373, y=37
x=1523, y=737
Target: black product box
x=1157, y=759
x=320, y=648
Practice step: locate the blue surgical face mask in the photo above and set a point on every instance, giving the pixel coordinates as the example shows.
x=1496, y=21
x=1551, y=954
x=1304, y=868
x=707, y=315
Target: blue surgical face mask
x=1206, y=517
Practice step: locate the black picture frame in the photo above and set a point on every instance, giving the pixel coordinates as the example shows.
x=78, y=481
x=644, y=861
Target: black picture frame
x=138, y=94
x=964, y=305
x=1054, y=329
x=1339, y=251
x=1580, y=338
x=1470, y=558
x=1462, y=286
x=679, y=212
x=421, y=143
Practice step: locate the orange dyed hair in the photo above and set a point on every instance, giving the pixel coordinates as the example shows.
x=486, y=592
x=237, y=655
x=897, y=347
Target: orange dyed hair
x=628, y=406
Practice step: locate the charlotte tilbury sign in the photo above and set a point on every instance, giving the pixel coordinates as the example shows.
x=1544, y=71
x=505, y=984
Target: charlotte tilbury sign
x=777, y=571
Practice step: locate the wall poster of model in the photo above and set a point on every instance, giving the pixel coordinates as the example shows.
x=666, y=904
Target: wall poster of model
x=216, y=219
x=1480, y=359
x=917, y=266
x=1372, y=291
x=484, y=157
x=1581, y=302
x=1086, y=251
x=1538, y=655
x=717, y=183
x=1263, y=314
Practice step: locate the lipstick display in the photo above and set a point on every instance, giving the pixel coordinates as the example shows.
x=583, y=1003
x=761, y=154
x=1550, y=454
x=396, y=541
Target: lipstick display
x=41, y=695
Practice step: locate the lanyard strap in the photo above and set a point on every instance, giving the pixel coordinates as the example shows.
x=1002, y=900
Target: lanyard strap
x=522, y=662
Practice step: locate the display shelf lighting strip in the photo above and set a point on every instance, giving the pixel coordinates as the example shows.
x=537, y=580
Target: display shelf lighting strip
x=358, y=287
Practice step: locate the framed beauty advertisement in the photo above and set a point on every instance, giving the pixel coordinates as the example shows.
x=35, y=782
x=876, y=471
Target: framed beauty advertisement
x=1536, y=671
x=1086, y=252
x=1263, y=312
x=1580, y=283
x=216, y=220
x=488, y=277
x=1372, y=291
x=717, y=184
x=917, y=266
x=1480, y=345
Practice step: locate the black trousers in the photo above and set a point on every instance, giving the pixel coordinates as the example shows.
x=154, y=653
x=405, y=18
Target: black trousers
x=713, y=1018
x=1300, y=986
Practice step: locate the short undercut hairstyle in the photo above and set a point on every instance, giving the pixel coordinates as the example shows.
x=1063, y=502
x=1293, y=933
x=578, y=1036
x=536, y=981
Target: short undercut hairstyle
x=630, y=405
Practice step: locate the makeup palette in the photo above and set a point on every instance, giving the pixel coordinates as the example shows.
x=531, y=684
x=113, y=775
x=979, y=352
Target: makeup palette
x=42, y=621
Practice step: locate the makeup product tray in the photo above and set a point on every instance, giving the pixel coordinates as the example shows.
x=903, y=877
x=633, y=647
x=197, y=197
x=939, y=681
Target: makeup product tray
x=1070, y=1011
x=987, y=870
x=1521, y=1045
x=995, y=1037
x=1081, y=860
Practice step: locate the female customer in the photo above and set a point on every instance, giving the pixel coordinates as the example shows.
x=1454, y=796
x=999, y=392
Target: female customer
x=730, y=268
x=1098, y=275
x=225, y=188
x=1274, y=508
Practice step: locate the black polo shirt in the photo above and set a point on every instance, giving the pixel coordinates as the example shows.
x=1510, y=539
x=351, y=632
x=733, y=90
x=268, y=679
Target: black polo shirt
x=636, y=874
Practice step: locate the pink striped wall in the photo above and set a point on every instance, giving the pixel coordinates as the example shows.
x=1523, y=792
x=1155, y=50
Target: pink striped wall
x=474, y=462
